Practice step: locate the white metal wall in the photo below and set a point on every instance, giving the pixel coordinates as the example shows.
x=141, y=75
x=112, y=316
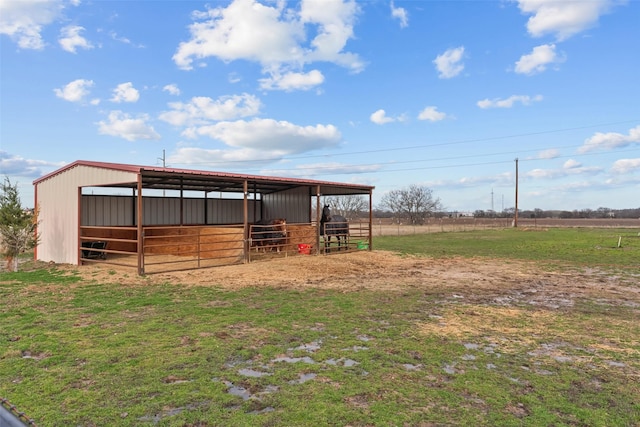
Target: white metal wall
x=57, y=199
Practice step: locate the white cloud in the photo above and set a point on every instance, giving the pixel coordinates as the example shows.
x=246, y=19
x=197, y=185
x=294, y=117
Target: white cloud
x=243, y=30
x=508, y=102
x=203, y=110
x=333, y=21
x=125, y=92
x=551, y=153
x=24, y=20
x=626, y=165
x=380, y=117
x=432, y=114
x=220, y=157
x=504, y=178
x=571, y=164
x=543, y=173
x=274, y=36
x=123, y=39
x=18, y=166
x=610, y=140
x=569, y=168
x=269, y=135
x=74, y=91
x=70, y=39
x=449, y=64
x=172, y=89
x=313, y=170
x=401, y=14
x=538, y=60
x=124, y=126
x=501, y=178
x=292, y=81
x=561, y=17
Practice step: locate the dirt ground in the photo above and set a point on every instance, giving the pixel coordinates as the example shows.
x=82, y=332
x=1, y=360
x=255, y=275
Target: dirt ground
x=475, y=280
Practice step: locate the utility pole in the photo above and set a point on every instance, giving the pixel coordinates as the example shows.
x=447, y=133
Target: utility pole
x=492, y=199
x=164, y=165
x=163, y=158
x=515, y=220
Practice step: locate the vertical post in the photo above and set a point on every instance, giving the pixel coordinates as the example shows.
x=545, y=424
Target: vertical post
x=36, y=209
x=370, y=220
x=515, y=220
x=140, y=229
x=181, y=201
x=255, y=204
x=206, y=208
x=318, y=219
x=246, y=221
x=134, y=210
x=79, y=216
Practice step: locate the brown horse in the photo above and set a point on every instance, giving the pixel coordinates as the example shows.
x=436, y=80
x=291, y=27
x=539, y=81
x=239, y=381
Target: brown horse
x=269, y=234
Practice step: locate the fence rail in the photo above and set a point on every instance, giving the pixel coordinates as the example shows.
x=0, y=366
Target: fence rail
x=173, y=248
x=384, y=227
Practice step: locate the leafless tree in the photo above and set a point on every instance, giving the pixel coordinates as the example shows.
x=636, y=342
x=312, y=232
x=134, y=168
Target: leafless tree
x=349, y=206
x=414, y=203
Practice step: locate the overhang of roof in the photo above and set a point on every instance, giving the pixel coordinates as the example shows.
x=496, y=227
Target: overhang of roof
x=160, y=178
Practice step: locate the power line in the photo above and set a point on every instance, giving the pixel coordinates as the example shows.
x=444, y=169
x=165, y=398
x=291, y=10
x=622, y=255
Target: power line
x=331, y=169
x=414, y=147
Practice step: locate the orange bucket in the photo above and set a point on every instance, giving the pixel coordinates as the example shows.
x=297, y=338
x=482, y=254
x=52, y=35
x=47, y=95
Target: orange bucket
x=304, y=249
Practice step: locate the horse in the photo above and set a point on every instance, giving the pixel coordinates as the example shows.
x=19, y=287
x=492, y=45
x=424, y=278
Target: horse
x=333, y=225
x=269, y=234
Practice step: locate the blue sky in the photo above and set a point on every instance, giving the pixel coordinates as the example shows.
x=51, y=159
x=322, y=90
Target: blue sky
x=443, y=94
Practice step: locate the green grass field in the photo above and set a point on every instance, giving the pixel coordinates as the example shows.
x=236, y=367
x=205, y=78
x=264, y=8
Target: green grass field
x=575, y=246
x=87, y=353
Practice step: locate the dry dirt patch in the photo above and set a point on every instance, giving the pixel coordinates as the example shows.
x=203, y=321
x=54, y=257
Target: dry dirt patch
x=474, y=279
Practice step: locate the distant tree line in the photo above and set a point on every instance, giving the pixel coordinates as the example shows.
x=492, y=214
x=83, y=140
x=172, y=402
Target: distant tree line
x=415, y=204
x=599, y=213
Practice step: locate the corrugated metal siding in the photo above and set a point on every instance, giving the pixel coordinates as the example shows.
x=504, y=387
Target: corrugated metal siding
x=108, y=210
x=193, y=211
x=228, y=211
x=102, y=210
x=293, y=205
x=160, y=211
x=57, y=198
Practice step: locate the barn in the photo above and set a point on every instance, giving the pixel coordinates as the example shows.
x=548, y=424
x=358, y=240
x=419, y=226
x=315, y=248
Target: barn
x=157, y=219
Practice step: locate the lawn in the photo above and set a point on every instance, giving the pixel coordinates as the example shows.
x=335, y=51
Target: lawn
x=550, y=339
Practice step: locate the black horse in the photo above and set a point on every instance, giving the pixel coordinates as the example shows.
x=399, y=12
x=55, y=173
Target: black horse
x=333, y=225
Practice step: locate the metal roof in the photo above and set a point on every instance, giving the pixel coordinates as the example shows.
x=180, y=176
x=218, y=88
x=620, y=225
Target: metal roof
x=154, y=177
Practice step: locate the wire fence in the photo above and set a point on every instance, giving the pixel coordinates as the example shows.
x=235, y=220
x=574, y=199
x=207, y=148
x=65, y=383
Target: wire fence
x=386, y=227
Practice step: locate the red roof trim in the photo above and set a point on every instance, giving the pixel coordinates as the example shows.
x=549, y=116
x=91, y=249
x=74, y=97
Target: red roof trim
x=102, y=165
x=140, y=169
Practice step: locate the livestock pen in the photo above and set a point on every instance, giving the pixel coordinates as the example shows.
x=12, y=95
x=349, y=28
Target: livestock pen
x=158, y=219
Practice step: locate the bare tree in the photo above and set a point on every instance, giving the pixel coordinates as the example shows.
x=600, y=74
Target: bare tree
x=349, y=206
x=414, y=203
x=17, y=225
